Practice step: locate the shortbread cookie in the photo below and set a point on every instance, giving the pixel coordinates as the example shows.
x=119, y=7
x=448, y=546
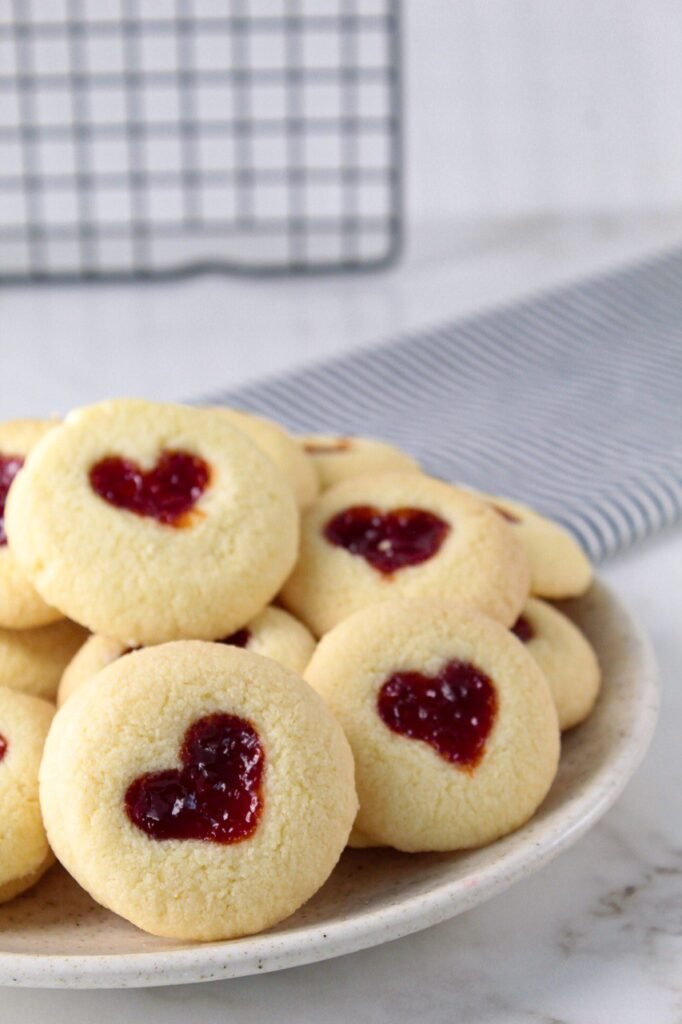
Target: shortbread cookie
x=564, y=655
x=451, y=722
x=337, y=458
x=24, y=852
x=357, y=840
x=21, y=606
x=33, y=660
x=148, y=522
x=97, y=652
x=284, y=451
x=277, y=634
x=206, y=806
x=558, y=565
x=403, y=535
x=273, y=633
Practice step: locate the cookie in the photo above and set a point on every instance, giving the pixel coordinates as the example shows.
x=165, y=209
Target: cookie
x=148, y=522
x=273, y=634
x=337, y=458
x=357, y=840
x=558, y=565
x=206, y=806
x=277, y=634
x=284, y=451
x=451, y=722
x=24, y=851
x=33, y=660
x=403, y=535
x=564, y=655
x=97, y=652
x=21, y=606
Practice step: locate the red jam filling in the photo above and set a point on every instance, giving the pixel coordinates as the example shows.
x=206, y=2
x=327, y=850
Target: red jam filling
x=523, y=629
x=506, y=514
x=3, y=747
x=9, y=467
x=238, y=639
x=215, y=796
x=387, y=540
x=327, y=447
x=453, y=711
x=167, y=492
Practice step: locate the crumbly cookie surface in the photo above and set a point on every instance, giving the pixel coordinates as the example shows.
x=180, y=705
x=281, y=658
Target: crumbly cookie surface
x=558, y=565
x=154, y=697
x=24, y=851
x=21, y=606
x=97, y=652
x=133, y=576
x=272, y=634
x=478, y=558
x=338, y=458
x=283, y=449
x=565, y=656
x=279, y=635
x=33, y=660
x=411, y=796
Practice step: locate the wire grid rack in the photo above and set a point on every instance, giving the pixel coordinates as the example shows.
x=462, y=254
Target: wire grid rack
x=148, y=138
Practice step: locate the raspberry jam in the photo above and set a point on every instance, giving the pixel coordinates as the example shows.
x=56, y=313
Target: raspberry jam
x=167, y=492
x=9, y=467
x=453, y=711
x=215, y=796
x=238, y=639
x=3, y=746
x=327, y=447
x=506, y=514
x=387, y=540
x=523, y=629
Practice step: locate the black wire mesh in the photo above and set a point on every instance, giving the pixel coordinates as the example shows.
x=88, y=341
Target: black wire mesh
x=146, y=138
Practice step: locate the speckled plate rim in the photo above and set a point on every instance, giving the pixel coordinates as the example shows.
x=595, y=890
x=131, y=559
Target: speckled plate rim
x=524, y=853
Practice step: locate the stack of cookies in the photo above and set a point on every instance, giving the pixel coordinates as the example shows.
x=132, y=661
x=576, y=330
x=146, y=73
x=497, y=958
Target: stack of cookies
x=263, y=649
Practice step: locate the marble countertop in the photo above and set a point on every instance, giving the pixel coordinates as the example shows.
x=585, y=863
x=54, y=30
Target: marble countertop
x=595, y=937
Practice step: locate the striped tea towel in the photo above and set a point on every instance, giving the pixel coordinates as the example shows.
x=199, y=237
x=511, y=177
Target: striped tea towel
x=571, y=402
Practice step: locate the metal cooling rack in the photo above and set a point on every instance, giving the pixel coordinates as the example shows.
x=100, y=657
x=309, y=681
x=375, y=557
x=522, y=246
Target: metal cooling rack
x=147, y=138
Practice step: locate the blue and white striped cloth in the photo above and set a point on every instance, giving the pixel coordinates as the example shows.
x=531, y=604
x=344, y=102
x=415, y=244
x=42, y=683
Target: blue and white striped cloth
x=571, y=402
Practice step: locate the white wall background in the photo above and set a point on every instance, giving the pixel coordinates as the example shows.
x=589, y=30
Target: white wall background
x=514, y=110
x=552, y=127
x=519, y=108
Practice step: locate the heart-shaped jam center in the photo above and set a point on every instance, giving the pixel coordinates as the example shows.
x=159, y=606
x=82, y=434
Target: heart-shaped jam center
x=388, y=540
x=3, y=746
x=215, y=796
x=523, y=629
x=9, y=467
x=167, y=492
x=452, y=711
x=238, y=639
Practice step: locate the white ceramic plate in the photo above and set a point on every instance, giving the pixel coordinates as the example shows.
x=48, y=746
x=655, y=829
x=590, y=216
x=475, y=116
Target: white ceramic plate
x=55, y=936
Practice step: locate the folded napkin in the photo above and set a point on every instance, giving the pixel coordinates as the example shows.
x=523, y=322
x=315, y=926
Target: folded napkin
x=571, y=402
